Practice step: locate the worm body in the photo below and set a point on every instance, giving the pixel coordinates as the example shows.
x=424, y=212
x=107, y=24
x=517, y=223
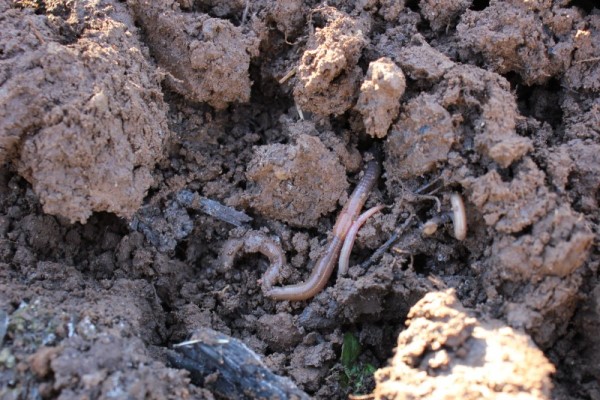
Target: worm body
x=324, y=267
x=459, y=216
x=351, y=236
x=316, y=281
x=257, y=242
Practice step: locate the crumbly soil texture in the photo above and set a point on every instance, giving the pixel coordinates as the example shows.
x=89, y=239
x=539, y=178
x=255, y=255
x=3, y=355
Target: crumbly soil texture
x=138, y=137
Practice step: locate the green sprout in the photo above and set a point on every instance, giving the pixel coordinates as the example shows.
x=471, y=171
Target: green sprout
x=356, y=374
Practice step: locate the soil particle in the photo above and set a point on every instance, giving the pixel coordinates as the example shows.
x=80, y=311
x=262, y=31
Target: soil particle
x=96, y=368
x=469, y=89
x=557, y=246
x=164, y=226
x=397, y=35
x=40, y=360
x=420, y=140
x=584, y=72
x=487, y=360
x=311, y=362
x=554, y=241
x=421, y=62
x=388, y=9
x=442, y=14
x=364, y=296
x=514, y=37
x=85, y=122
x=288, y=16
x=42, y=232
x=382, y=293
x=328, y=76
x=279, y=331
x=541, y=309
x=511, y=206
x=380, y=94
x=199, y=52
x=296, y=183
x=473, y=110
x=573, y=165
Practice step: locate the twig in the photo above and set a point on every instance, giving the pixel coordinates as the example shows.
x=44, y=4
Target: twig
x=229, y=368
x=588, y=60
x=245, y=13
x=224, y=213
x=427, y=186
x=385, y=247
x=287, y=76
x=299, y=110
x=430, y=197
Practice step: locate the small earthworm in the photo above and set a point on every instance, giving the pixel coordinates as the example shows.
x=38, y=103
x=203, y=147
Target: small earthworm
x=459, y=216
x=351, y=236
x=255, y=242
x=324, y=266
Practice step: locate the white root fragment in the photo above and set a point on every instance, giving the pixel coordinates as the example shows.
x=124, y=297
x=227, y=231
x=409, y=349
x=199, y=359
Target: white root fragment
x=287, y=76
x=299, y=110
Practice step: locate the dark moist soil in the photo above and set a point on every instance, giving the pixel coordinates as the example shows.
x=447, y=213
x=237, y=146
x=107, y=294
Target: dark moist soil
x=131, y=131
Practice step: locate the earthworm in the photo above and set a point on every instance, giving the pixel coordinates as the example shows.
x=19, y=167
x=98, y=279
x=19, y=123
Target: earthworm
x=459, y=216
x=351, y=236
x=324, y=266
x=255, y=242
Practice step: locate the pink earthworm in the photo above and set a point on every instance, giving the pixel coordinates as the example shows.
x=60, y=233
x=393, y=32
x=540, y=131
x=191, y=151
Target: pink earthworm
x=351, y=236
x=324, y=267
x=255, y=242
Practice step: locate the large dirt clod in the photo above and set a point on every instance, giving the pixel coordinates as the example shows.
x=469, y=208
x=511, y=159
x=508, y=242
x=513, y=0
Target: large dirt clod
x=84, y=122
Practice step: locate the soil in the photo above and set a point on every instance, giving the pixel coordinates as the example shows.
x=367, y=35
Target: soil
x=137, y=137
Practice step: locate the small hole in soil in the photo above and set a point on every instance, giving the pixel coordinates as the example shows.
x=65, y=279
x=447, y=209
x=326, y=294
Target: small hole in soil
x=413, y=5
x=363, y=64
x=420, y=264
x=479, y=5
x=151, y=192
x=526, y=231
x=241, y=185
x=506, y=174
x=514, y=79
x=319, y=21
x=541, y=102
x=181, y=250
x=222, y=140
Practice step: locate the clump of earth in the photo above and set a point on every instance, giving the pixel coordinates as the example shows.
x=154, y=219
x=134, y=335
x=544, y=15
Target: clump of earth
x=137, y=138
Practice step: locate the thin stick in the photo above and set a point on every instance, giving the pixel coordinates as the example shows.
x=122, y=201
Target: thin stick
x=287, y=76
x=380, y=251
x=426, y=186
x=429, y=197
x=245, y=14
x=588, y=60
x=300, y=113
